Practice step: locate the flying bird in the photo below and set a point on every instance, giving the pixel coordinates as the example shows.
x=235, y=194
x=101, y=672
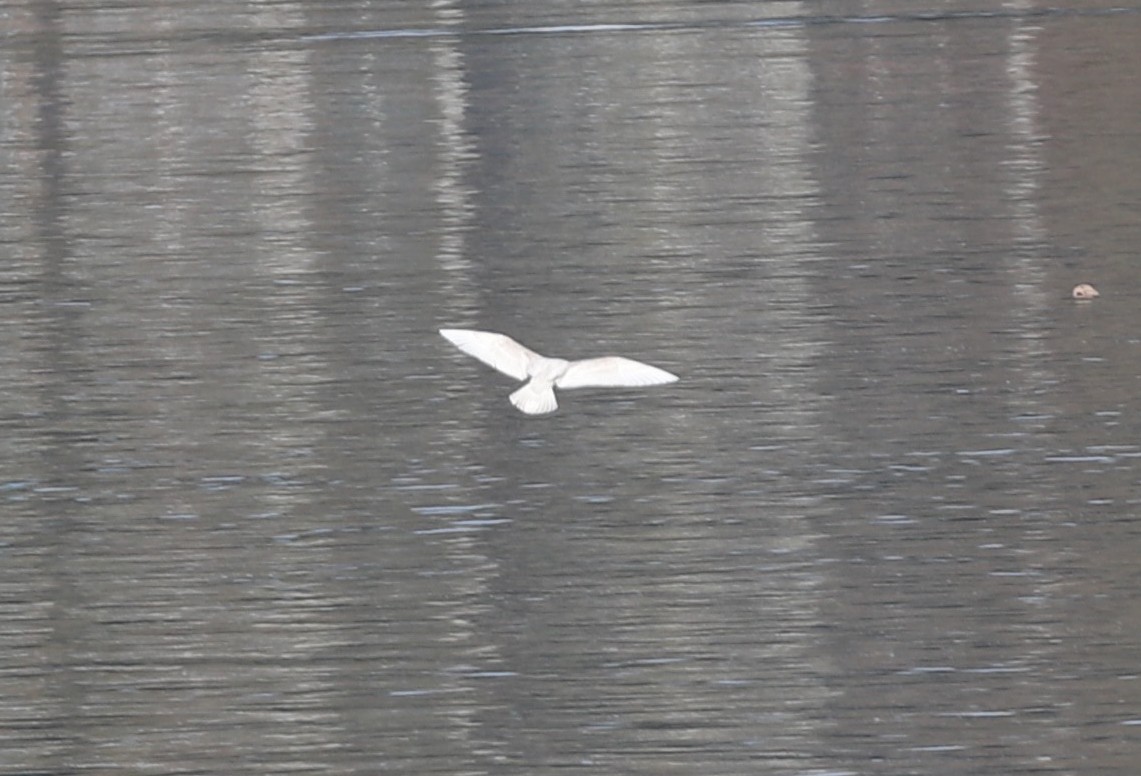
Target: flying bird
x=544, y=374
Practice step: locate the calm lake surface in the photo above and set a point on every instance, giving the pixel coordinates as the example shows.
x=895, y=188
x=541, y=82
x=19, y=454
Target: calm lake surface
x=258, y=517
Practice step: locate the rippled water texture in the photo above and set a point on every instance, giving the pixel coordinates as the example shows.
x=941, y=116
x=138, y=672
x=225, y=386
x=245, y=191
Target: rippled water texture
x=258, y=517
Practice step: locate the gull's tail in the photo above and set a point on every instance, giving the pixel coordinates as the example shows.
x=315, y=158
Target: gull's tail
x=537, y=397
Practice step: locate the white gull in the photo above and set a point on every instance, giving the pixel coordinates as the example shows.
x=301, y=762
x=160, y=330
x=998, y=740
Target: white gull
x=537, y=397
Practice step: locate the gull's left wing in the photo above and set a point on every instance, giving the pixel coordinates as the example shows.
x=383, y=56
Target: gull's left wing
x=498, y=351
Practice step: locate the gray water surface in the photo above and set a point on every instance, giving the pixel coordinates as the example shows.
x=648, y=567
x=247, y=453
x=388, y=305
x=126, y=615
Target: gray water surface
x=258, y=517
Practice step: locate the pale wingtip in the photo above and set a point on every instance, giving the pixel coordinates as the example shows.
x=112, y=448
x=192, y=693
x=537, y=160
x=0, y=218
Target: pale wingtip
x=661, y=377
x=457, y=336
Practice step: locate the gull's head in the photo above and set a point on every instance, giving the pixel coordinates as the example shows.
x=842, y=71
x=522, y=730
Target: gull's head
x=1084, y=291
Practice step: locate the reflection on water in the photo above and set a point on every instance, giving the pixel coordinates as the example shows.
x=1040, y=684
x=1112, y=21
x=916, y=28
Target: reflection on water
x=258, y=518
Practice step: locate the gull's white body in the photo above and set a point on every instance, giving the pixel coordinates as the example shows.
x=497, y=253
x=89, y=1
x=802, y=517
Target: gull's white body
x=544, y=374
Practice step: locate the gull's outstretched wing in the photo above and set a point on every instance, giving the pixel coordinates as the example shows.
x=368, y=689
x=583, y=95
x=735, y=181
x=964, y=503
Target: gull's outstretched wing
x=498, y=351
x=612, y=372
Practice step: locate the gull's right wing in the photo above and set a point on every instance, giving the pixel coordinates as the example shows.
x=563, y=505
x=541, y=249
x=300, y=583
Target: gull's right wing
x=612, y=372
